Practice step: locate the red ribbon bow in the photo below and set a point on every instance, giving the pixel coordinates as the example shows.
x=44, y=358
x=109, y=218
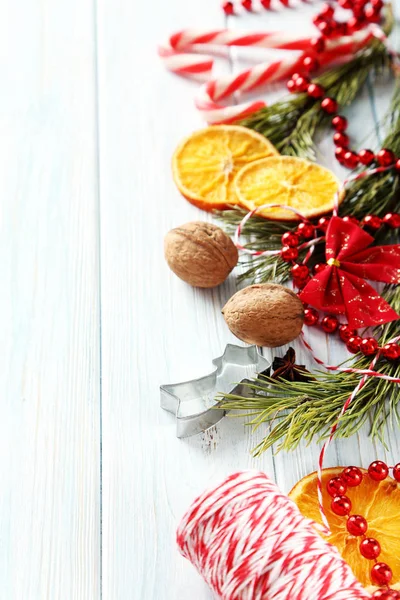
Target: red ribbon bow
x=341, y=288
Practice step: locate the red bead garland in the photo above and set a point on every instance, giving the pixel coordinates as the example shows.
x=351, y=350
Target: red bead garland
x=370, y=548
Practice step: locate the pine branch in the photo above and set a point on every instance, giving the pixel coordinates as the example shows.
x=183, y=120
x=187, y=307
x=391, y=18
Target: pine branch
x=295, y=411
x=292, y=123
x=374, y=194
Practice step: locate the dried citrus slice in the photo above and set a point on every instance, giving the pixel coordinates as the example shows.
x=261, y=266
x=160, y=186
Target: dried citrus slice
x=378, y=502
x=296, y=182
x=205, y=164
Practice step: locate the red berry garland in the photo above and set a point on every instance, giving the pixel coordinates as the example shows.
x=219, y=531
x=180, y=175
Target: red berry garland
x=357, y=525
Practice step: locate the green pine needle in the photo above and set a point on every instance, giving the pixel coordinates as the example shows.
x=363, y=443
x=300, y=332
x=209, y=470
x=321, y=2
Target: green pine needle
x=294, y=411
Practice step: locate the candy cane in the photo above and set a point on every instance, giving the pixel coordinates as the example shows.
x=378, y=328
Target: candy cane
x=180, y=56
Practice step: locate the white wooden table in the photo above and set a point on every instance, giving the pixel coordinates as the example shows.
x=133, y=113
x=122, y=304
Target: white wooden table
x=93, y=479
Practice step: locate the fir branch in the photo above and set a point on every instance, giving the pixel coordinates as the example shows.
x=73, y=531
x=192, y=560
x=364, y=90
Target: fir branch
x=292, y=123
x=374, y=194
x=295, y=411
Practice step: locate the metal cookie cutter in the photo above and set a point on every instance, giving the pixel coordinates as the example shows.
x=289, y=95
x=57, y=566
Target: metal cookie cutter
x=192, y=401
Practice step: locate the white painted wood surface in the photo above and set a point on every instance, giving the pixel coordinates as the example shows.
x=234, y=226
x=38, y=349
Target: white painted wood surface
x=93, y=480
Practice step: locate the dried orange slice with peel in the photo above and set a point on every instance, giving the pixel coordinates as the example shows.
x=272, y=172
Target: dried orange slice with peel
x=296, y=182
x=205, y=164
x=378, y=502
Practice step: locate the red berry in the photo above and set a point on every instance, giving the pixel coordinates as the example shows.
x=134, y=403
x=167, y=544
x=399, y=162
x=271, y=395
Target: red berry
x=319, y=267
x=397, y=165
x=290, y=239
x=295, y=76
x=356, y=525
x=353, y=345
x=341, y=29
x=346, y=332
x=358, y=11
x=352, y=476
x=369, y=346
x=291, y=86
x=228, y=8
x=391, y=351
x=301, y=283
x=329, y=105
x=392, y=219
x=325, y=28
x=306, y=230
x=315, y=91
x=302, y=83
x=300, y=272
x=341, y=139
x=370, y=548
x=341, y=505
x=345, y=3
x=396, y=472
x=381, y=573
x=284, y=2
x=329, y=324
x=354, y=24
x=323, y=223
x=377, y=4
x=378, y=470
x=288, y=254
x=386, y=157
x=366, y=156
x=350, y=219
x=266, y=4
x=350, y=160
x=318, y=44
x=372, y=222
x=247, y=4
x=310, y=316
x=317, y=19
x=310, y=63
x=327, y=11
x=339, y=123
x=372, y=15
x=339, y=153
x=336, y=487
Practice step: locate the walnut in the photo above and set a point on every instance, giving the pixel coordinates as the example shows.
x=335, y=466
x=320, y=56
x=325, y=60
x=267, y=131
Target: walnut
x=266, y=315
x=200, y=253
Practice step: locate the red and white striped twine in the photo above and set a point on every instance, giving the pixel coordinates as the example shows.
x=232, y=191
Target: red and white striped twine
x=250, y=542
x=182, y=54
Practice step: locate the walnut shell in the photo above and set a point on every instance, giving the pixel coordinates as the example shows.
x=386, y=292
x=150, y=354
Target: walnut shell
x=200, y=253
x=266, y=315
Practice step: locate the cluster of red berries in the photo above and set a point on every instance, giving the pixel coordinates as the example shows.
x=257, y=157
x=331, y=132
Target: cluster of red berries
x=229, y=7
x=381, y=573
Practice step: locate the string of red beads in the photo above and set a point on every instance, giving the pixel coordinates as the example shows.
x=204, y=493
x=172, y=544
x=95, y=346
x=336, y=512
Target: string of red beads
x=301, y=274
x=300, y=83
x=357, y=525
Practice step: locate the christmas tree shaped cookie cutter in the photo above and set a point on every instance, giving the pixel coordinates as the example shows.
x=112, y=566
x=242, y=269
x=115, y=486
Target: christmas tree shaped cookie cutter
x=194, y=402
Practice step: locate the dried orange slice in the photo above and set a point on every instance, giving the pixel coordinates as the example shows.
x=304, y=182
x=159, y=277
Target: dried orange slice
x=378, y=502
x=296, y=182
x=205, y=164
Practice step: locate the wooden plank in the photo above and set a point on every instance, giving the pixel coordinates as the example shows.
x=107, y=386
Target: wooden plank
x=49, y=305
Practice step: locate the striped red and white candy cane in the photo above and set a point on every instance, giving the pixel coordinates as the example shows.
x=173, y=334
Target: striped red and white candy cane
x=181, y=55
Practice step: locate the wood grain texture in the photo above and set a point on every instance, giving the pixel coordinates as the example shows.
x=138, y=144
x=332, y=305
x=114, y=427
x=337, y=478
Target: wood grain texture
x=49, y=304
x=155, y=328
x=91, y=319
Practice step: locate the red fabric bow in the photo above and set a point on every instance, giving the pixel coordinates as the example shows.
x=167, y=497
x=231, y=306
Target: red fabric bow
x=341, y=288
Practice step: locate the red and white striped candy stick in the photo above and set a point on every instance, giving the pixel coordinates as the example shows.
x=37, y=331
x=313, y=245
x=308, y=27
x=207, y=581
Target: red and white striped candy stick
x=181, y=56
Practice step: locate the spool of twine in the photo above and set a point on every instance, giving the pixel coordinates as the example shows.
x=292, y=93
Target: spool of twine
x=249, y=541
